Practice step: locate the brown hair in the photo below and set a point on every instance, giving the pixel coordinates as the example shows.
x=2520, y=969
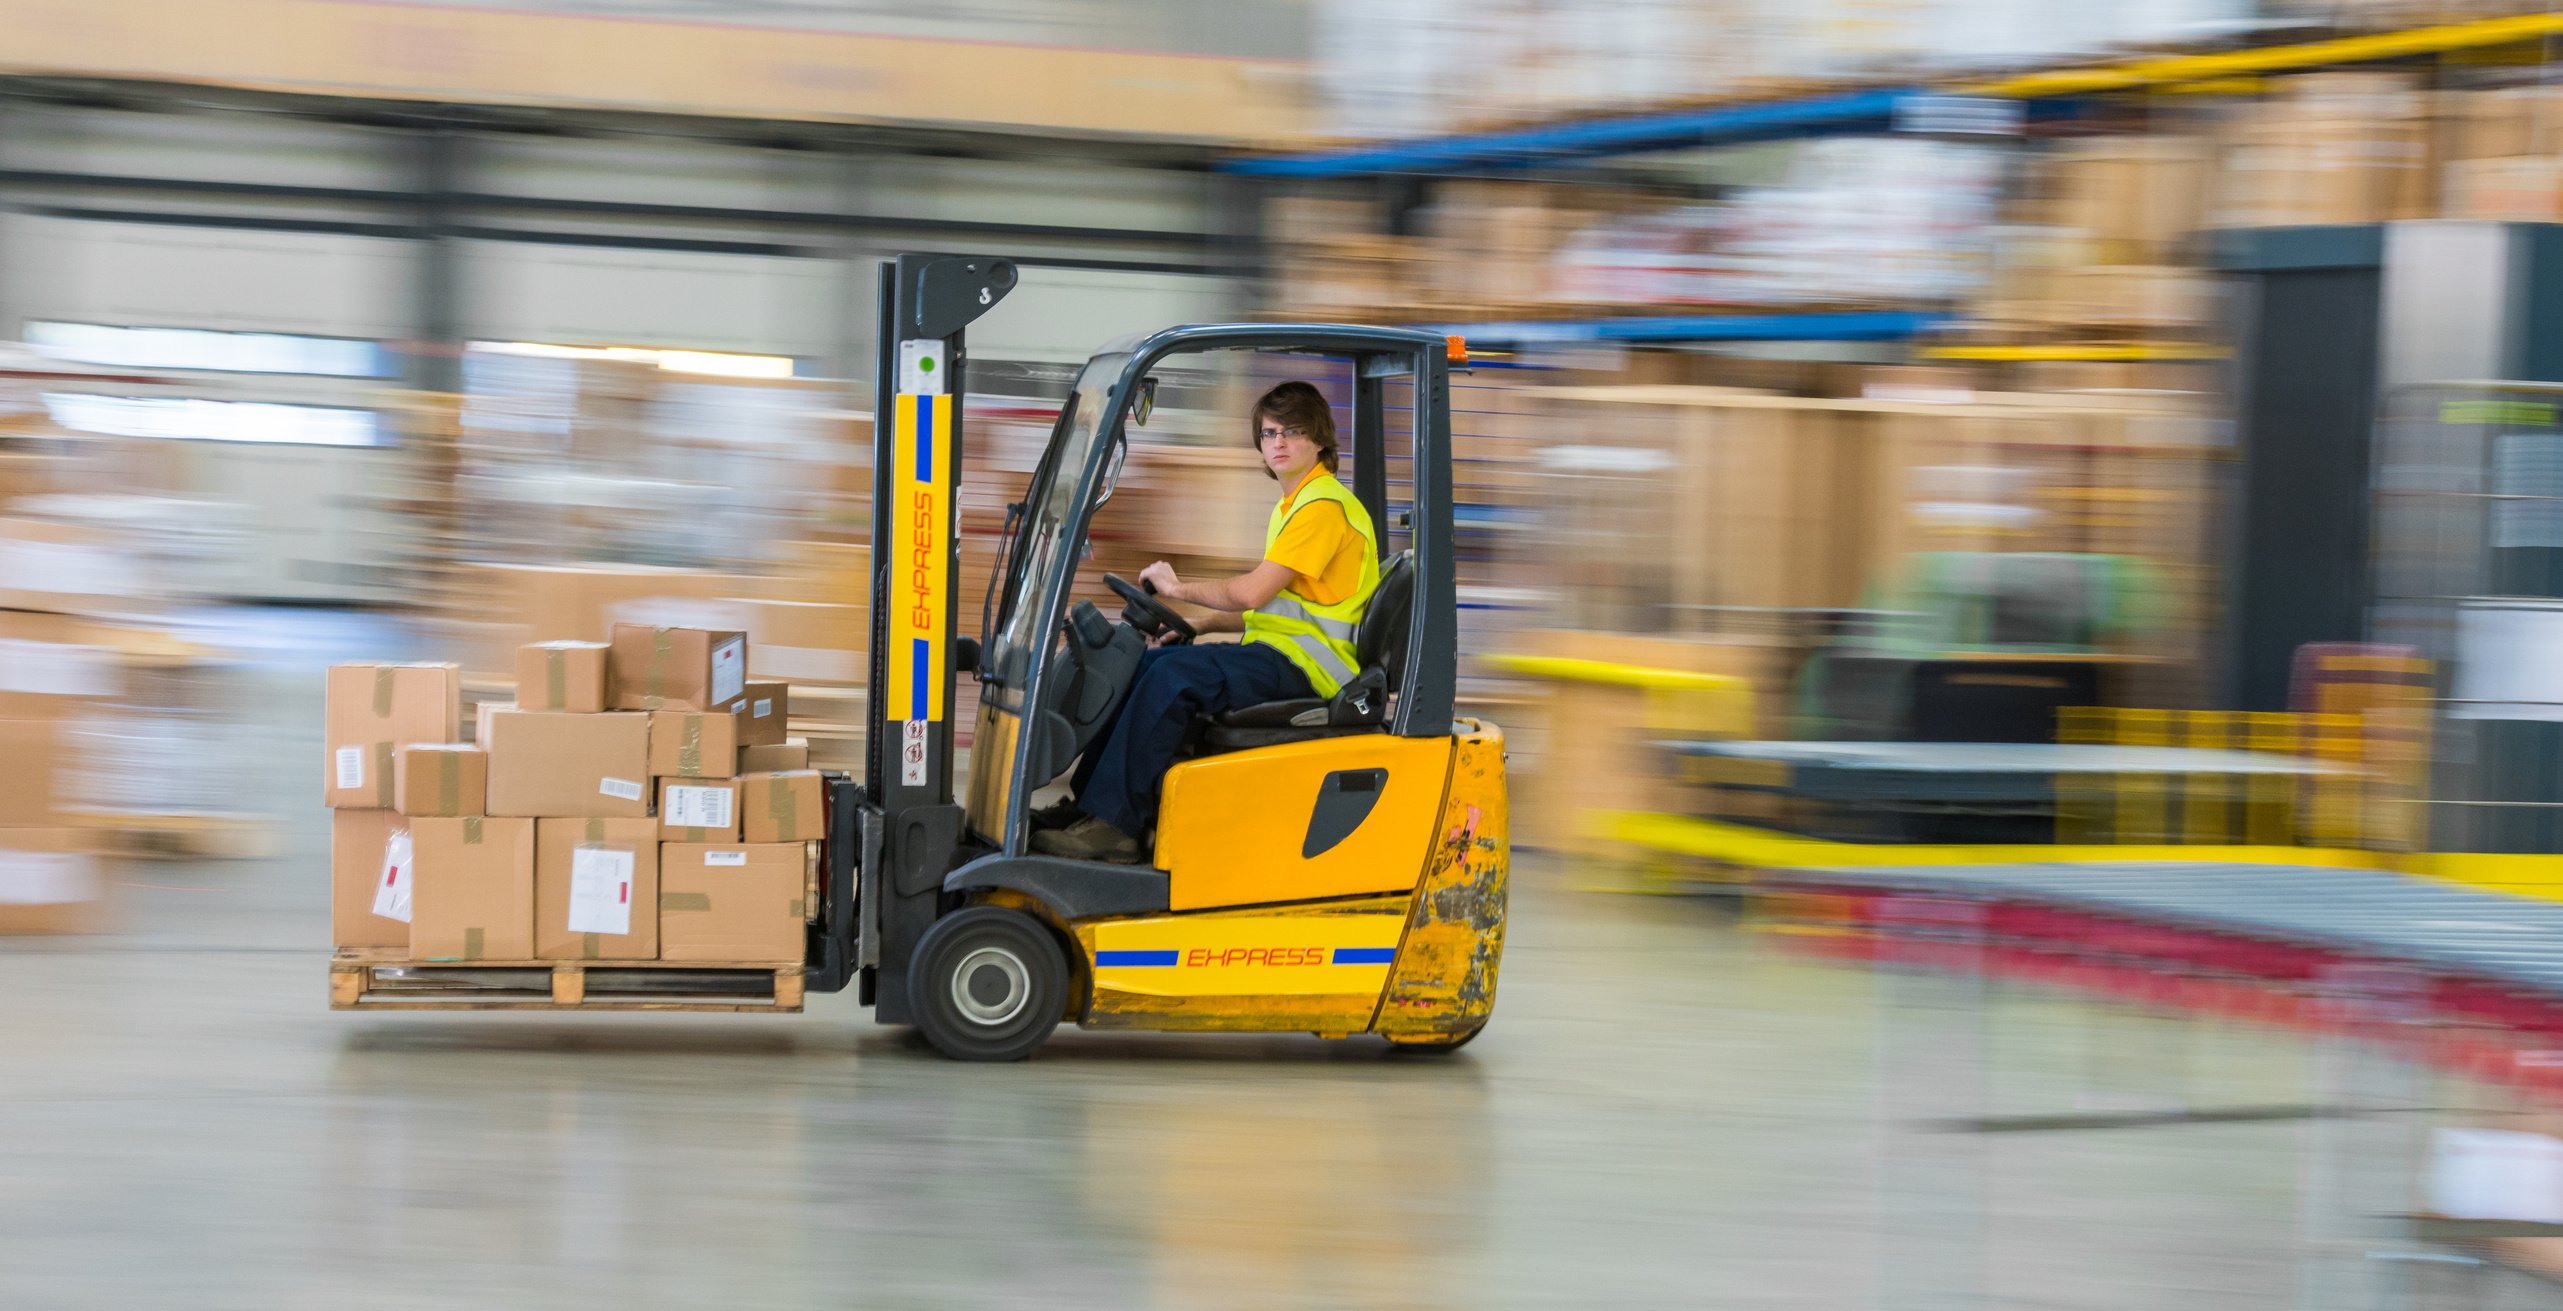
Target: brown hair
x=1294, y=405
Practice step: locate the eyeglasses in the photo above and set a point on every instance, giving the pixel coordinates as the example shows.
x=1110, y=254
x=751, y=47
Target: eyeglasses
x=1268, y=434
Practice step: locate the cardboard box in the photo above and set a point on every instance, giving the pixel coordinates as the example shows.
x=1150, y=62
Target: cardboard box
x=694, y=744
x=677, y=668
x=768, y=758
x=699, y=809
x=562, y=675
x=37, y=780
x=550, y=764
x=70, y=569
x=357, y=843
x=767, y=715
x=440, y=779
x=2510, y=190
x=808, y=641
x=51, y=881
x=742, y=902
x=577, y=899
x=782, y=806
x=373, y=711
x=473, y=894
x=50, y=666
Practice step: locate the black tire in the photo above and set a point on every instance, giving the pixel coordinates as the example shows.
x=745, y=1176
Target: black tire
x=988, y=984
x=1441, y=1048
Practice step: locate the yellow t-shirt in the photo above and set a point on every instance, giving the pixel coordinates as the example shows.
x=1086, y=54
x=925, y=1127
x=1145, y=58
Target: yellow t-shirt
x=1320, y=547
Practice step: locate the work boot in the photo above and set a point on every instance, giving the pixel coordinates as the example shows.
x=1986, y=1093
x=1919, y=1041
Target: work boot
x=1089, y=839
x=1058, y=814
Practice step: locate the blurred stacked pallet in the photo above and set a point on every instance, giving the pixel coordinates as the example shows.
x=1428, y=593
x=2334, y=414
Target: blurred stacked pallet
x=110, y=718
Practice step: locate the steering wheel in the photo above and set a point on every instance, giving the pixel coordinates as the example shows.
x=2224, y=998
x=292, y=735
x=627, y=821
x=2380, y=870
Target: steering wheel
x=1143, y=611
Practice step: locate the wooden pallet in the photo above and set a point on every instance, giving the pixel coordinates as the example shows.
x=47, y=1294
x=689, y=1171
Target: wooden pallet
x=384, y=979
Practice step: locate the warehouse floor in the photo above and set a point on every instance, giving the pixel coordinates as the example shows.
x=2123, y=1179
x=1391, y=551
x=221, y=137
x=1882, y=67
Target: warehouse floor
x=1668, y=1111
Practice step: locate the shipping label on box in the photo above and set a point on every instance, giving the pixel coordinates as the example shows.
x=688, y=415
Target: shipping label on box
x=601, y=891
x=743, y=903
x=699, y=810
x=596, y=889
x=392, y=886
x=373, y=711
x=472, y=893
x=765, y=717
x=566, y=765
x=787, y=806
x=359, y=851
x=562, y=675
x=694, y=744
x=677, y=668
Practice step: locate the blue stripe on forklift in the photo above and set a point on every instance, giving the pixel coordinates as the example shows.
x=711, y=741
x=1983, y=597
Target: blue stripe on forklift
x=1137, y=957
x=917, y=678
x=925, y=439
x=1364, y=955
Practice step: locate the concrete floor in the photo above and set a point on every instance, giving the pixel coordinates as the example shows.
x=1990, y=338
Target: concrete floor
x=1668, y=1111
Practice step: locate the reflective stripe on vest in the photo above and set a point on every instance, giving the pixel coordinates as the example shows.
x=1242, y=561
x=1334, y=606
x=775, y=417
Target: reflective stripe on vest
x=1318, y=638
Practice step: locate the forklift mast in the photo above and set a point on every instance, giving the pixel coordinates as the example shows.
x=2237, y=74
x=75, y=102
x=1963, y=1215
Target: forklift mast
x=903, y=810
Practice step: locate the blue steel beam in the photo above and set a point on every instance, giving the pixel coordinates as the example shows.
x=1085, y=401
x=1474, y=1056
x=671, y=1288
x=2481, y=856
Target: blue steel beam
x=1844, y=112
x=1820, y=325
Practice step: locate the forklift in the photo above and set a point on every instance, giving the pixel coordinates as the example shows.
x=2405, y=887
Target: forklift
x=1335, y=866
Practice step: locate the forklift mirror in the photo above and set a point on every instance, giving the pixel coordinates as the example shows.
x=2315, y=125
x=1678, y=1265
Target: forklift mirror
x=1144, y=404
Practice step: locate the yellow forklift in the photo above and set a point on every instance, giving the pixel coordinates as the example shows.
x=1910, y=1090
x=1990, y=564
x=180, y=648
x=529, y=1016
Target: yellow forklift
x=1334, y=866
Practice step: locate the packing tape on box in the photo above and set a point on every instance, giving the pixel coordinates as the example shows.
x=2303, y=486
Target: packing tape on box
x=685, y=901
x=472, y=835
x=797, y=912
x=692, y=835
x=474, y=944
x=783, y=808
x=662, y=652
x=556, y=679
x=382, y=776
x=383, y=691
x=449, y=782
x=689, y=748
x=589, y=946
x=596, y=830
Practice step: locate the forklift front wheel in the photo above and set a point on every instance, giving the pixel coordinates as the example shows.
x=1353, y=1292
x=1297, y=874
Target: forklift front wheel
x=988, y=984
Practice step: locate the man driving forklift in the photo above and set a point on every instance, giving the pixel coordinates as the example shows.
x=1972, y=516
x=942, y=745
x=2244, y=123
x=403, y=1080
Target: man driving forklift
x=1298, y=609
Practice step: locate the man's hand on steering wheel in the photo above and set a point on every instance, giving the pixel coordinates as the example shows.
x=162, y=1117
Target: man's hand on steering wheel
x=1142, y=610
x=1160, y=577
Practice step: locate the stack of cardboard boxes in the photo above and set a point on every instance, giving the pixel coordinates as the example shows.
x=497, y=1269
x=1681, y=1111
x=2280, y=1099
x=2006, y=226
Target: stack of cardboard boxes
x=639, y=801
x=103, y=720
x=52, y=678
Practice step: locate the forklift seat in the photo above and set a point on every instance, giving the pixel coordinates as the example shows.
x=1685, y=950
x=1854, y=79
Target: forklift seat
x=1362, y=705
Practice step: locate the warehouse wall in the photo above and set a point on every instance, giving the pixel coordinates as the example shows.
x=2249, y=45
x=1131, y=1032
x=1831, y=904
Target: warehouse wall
x=273, y=223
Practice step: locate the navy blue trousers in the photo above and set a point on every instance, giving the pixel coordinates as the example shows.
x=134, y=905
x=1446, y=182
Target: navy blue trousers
x=1121, y=777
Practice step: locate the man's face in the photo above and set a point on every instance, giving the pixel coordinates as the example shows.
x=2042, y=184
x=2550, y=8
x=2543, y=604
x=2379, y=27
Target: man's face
x=1287, y=449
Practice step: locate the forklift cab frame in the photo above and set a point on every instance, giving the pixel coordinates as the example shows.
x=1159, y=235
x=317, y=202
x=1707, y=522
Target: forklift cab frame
x=921, y=884
x=1039, y=566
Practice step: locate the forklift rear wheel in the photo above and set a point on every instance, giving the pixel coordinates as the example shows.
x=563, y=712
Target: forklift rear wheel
x=988, y=984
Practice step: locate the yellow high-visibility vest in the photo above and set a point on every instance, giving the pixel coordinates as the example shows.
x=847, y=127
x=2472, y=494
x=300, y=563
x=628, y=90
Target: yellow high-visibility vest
x=1318, y=638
